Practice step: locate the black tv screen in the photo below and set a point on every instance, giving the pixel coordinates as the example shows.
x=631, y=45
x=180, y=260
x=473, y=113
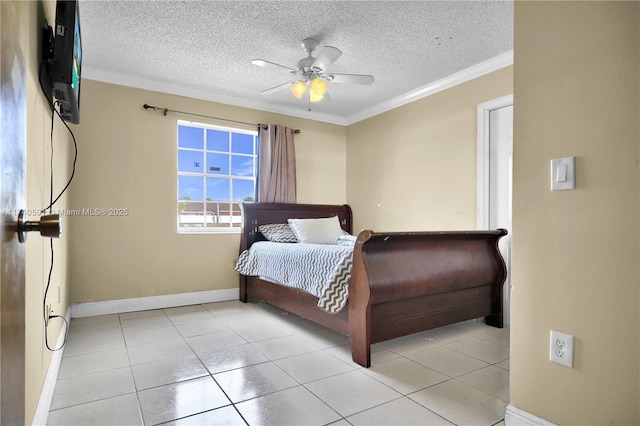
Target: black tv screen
x=67, y=60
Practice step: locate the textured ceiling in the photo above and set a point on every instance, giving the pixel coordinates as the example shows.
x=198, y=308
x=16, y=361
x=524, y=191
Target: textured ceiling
x=204, y=49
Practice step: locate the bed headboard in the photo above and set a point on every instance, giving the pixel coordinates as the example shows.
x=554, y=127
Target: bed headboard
x=256, y=214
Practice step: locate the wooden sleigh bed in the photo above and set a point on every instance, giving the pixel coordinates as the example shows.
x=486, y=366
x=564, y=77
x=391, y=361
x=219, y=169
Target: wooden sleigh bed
x=401, y=283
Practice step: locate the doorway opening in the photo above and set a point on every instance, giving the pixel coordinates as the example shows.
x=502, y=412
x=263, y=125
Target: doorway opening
x=495, y=177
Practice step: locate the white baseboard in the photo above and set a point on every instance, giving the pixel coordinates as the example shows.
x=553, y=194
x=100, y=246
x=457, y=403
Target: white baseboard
x=108, y=307
x=78, y=310
x=46, y=395
x=514, y=416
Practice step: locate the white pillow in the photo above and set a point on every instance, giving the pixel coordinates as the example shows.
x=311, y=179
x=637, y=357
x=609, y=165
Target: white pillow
x=317, y=231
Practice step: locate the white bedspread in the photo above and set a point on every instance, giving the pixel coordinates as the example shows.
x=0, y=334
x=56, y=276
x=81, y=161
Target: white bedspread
x=322, y=270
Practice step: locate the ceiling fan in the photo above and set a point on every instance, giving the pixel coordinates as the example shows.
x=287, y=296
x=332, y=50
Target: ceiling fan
x=312, y=72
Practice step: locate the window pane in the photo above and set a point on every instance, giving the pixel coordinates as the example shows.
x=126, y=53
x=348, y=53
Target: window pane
x=212, y=214
x=190, y=213
x=218, y=214
x=217, y=189
x=190, y=161
x=217, y=164
x=241, y=165
x=242, y=143
x=243, y=190
x=217, y=140
x=236, y=215
x=190, y=188
x=211, y=220
x=190, y=137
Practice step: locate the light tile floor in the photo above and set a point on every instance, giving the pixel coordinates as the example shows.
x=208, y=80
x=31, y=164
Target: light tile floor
x=231, y=363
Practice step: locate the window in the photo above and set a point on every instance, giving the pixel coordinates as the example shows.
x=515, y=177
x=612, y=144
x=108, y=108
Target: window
x=217, y=169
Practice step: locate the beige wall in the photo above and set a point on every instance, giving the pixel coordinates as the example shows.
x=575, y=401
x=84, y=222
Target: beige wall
x=38, y=257
x=414, y=168
x=575, y=253
x=127, y=159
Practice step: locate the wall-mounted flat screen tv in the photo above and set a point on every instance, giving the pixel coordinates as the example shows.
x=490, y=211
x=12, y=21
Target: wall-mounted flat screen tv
x=67, y=60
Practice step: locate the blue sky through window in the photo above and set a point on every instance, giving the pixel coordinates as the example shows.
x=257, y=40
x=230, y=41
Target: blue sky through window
x=190, y=161
x=218, y=189
x=242, y=189
x=190, y=137
x=190, y=188
x=242, y=165
x=242, y=143
x=215, y=165
x=217, y=140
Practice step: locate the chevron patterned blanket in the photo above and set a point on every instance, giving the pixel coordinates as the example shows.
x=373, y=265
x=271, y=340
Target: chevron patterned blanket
x=322, y=270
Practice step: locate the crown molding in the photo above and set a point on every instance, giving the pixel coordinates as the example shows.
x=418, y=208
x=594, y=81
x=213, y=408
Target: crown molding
x=172, y=88
x=475, y=71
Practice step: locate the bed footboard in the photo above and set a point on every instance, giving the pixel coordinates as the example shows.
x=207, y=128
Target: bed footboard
x=403, y=283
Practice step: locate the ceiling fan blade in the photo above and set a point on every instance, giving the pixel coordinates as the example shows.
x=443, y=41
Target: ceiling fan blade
x=275, y=89
x=327, y=57
x=269, y=64
x=352, y=78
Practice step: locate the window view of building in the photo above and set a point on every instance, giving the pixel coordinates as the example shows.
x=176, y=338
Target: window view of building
x=217, y=168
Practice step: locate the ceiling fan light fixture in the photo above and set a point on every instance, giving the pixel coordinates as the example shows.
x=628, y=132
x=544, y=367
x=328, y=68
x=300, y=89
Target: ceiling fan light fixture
x=315, y=97
x=298, y=89
x=318, y=87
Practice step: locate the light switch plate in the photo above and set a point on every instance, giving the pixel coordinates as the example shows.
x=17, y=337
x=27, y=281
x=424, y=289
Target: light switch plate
x=563, y=173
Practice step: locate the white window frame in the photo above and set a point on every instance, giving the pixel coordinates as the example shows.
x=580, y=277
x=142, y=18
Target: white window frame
x=205, y=229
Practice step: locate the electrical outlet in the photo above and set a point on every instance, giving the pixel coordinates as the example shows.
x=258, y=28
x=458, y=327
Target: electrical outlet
x=561, y=348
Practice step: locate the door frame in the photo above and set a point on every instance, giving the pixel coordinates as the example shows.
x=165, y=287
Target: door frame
x=483, y=168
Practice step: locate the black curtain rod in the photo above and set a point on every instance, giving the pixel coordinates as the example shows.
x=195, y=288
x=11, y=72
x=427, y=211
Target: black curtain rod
x=165, y=111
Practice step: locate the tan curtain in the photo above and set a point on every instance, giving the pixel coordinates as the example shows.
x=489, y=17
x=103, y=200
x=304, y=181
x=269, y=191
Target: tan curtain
x=276, y=165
